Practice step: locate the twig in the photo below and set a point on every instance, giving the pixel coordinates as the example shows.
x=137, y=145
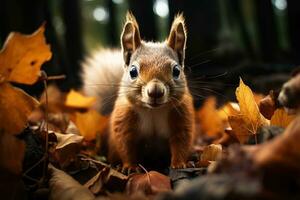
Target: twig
x=47, y=127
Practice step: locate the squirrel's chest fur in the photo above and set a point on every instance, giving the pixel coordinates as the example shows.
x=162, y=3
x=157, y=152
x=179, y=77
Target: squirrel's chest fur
x=153, y=122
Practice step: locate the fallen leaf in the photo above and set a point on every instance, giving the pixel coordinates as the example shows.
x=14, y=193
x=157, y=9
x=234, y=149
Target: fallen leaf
x=248, y=106
x=66, y=139
x=211, y=152
x=267, y=107
x=281, y=118
x=282, y=151
x=150, y=183
x=62, y=187
x=107, y=180
x=22, y=56
x=210, y=122
x=77, y=100
x=239, y=128
x=228, y=109
x=12, y=152
x=90, y=123
x=66, y=149
x=249, y=119
x=15, y=108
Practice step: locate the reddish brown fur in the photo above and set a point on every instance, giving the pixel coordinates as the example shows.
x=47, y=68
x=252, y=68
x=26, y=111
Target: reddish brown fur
x=156, y=61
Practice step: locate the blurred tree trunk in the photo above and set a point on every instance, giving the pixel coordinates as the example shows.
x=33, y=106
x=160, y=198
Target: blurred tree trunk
x=236, y=15
x=143, y=11
x=112, y=25
x=267, y=30
x=294, y=28
x=202, y=20
x=73, y=40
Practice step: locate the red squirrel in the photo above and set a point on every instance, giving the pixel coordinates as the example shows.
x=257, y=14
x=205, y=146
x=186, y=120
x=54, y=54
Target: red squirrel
x=145, y=87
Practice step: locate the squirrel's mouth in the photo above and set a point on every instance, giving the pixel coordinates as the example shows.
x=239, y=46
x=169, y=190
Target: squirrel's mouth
x=155, y=105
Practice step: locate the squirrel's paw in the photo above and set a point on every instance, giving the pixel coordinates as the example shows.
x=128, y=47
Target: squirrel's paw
x=179, y=165
x=130, y=169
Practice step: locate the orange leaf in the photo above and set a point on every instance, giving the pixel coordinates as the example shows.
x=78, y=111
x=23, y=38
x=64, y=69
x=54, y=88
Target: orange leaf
x=15, y=107
x=239, y=128
x=211, y=122
x=77, y=100
x=12, y=152
x=22, y=56
x=90, y=123
x=281, y=118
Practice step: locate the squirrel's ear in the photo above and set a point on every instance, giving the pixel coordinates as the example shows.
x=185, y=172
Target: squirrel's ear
x=130, y=38
x=177, y=37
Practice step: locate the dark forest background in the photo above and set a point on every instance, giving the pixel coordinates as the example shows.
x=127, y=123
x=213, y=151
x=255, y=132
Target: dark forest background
x=258, y=40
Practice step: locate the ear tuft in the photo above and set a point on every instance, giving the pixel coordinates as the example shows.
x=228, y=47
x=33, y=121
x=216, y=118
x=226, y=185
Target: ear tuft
x=131, y=18
x=130, y=38
x=177, y=37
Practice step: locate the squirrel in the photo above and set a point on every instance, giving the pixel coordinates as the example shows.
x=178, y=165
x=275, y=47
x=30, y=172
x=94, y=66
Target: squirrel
x=143, y=86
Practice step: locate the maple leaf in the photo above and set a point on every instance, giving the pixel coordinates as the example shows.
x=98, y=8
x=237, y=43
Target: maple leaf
x=281, y=118
x=249, y=119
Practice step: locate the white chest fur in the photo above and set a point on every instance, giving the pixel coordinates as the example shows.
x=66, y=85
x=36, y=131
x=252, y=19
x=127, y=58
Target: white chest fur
x=154, y=121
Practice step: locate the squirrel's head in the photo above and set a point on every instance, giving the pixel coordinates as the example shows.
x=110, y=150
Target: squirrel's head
x=153, y=72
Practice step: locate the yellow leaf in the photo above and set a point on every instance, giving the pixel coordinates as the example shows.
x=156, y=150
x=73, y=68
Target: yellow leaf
x=77, y=100
x=90, y=123
x=228, y=109
x=210, y=121
x=15, y=107
x=248, y=106
x=249, y=119
x=281, y=118
x=239, y=128
x=22, y=56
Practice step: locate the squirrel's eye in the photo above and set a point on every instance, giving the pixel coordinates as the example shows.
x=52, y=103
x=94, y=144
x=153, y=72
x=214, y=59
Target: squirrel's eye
x=176, y=72
x=133, y=72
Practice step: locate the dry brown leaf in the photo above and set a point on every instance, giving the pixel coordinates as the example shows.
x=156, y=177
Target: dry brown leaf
x=150, y=183
x=77, y=100
x=267, y=107
x=90, y=123
x=281, y=118
x=66, y=139
x=15, y=107
x=210, y=122
x=107, y=180
x=62, y=187
x=22, y=56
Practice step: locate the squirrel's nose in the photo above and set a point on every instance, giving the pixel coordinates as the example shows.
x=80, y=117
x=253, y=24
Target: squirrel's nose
x=155, y=91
